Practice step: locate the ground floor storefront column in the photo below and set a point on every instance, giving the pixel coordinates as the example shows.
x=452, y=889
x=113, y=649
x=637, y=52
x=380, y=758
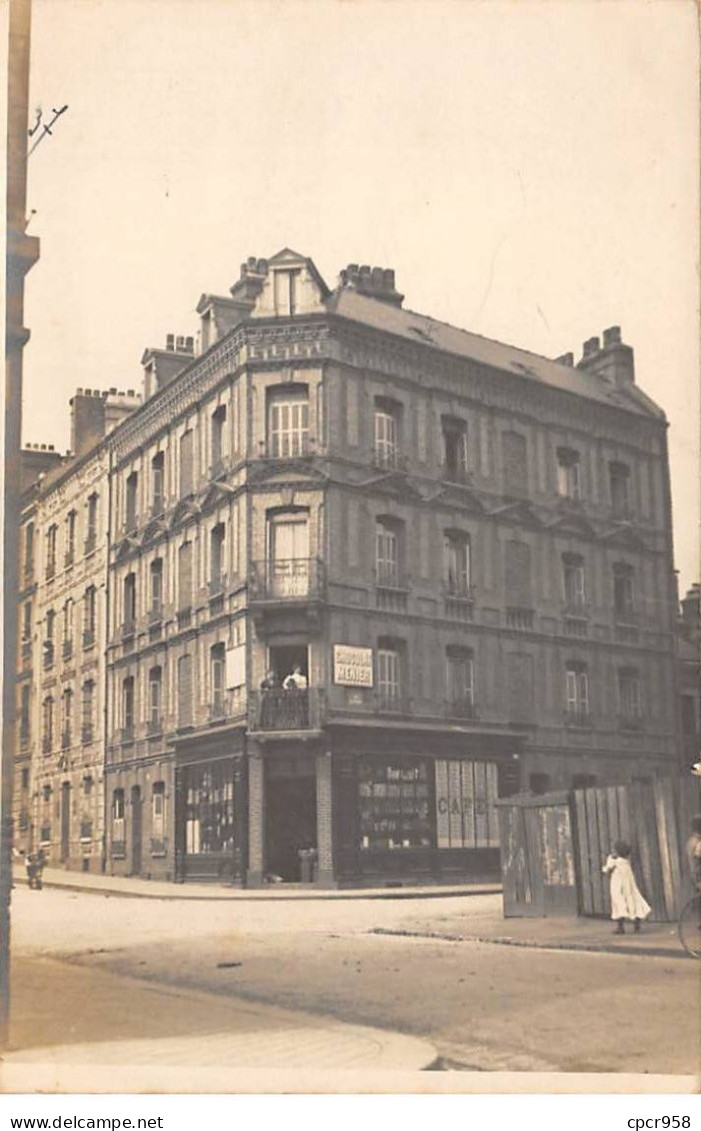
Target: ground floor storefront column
x=256, y=827
x=324, y=820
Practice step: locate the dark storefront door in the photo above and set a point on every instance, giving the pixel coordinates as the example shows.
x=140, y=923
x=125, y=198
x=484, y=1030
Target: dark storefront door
x=65, y=821
x=136, y=830
x=290, y=824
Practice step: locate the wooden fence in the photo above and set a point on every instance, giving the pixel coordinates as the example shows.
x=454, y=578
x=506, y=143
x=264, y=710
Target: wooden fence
x=553, y=847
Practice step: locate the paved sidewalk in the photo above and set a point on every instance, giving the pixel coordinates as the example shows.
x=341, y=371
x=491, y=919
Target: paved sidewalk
x=78, y=1028
x=135, y=888
x=579, y=934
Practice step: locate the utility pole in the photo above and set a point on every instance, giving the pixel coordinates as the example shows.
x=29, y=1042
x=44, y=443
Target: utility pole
x=22, y=254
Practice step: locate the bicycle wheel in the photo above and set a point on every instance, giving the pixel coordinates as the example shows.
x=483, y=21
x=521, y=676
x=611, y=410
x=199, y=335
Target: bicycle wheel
x=690, y=926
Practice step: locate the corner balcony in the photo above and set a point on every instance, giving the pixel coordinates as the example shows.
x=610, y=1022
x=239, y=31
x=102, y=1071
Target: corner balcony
x=283, y=711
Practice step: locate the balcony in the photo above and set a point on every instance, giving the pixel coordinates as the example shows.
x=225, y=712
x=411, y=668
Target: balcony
x=88, y=637
x=292, y=446
x=291, y=579
x=279, y=710
x=459, y=600
x=461, y=709
x=67, y=649
x=520, y=619
x=184, y=618
x=87, y=734
x=388, y=459
x=392, y=700
x=217, y=712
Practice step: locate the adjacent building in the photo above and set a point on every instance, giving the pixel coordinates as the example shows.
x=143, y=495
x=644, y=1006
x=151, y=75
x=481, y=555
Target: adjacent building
x=365, y=572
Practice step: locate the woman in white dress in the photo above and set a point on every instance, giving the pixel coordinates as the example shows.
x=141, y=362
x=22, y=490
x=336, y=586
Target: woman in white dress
x=626, y=900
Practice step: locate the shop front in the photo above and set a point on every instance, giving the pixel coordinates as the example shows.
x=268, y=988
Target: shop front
x=210, y=798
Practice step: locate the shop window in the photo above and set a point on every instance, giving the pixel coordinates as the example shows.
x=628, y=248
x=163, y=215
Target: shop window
x=209, y=810
x=187, y=470
x=158, y=810
x=569, y=475
x=457, y=564
x=394, y=804
x=387, y=419
x=623, y=591
x=288, y=422
x=158, y=483
x=454, y=449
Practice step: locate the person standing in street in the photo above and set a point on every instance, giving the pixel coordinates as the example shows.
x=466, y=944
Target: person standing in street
x=626, y=899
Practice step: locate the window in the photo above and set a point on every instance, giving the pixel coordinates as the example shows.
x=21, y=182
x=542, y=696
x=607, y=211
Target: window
x=187, y=469
x=49, y=638
x=131, y=502
x=619, y=486
x=456, y=550
x=629, y=696
x=155, y=694
x=24, y=781
x=285, y=286
x=89, y=616
x=217, y=438
x=156, y=582
x=67, y=713
x=118, y=809
x=218, y=675
x=387, y=536
x=51, y=540
x=158, y=483
x=209, y=810
x=71, y=525
x=394, y=804
x=129, y=602
x=389, y=675
x=216, y=558
x=88, y=710
x=288, y=566
x=68, y=628
x=288, y=422
x=573, y=582
x=623, y=591
x=158, y=810
x=128, y=703
x=577, y=684
x=88, y=783
x=518, y=575
x=569, y=483
x=539, y=783
x=27, y=621
x=185, y=577
x=387, y=417
x=460, y=681
x=29, y=550
x=185, y=704
x=91, y=525
x=454, y=449
x=25, y=713
x=513, y=446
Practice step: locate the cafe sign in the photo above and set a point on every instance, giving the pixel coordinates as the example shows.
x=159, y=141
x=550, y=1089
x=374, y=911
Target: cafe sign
x=352, y=667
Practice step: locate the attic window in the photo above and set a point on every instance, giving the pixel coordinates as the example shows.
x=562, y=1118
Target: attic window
x=285, y=287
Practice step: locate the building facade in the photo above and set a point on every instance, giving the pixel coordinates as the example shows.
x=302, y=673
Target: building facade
x=367, y=572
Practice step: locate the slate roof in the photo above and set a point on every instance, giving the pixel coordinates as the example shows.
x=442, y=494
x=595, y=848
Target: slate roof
x=348, y=303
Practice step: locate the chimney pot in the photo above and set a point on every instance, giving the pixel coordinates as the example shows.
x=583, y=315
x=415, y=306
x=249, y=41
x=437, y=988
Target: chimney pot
x=113, y=391
x=566, y=359
x=612, y=336
x=170, y=341
x=43, y=447
x=590, y=347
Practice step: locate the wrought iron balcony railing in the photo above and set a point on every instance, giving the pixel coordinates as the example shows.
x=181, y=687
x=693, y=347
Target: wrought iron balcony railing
x=288, y=579
x=463, y=708
x=277, y=709
x=393, y=700
x=521, y=619
x=578, y=717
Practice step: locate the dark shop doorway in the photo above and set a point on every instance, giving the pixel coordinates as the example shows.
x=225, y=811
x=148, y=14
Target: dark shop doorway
x=290, y=818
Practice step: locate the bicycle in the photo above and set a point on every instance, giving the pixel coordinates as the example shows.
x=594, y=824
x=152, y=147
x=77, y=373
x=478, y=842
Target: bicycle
x=689, y=926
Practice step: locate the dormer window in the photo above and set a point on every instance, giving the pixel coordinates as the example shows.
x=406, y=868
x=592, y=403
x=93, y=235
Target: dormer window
x=569, y=482
x=285, y=283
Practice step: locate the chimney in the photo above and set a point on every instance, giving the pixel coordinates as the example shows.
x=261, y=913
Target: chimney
x=613, y=362
x=565, y=359
x=87, y=420
x=691, y=615
x=373, y=282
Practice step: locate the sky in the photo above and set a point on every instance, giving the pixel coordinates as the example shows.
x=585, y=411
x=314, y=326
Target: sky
x=530, y=171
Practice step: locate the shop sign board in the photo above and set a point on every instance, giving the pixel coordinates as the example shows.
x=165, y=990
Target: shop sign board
x=352, y=667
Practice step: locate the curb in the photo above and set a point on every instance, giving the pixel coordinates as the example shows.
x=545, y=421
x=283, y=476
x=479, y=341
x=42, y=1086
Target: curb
x=264, y=897
x=591, y=948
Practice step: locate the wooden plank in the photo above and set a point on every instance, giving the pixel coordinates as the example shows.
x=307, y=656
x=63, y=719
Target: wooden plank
x=623, y=813
x=454, y=805
x=669, y=852
x=468, y=804
x=492, y=790
x=596, y=879
x=612, y=814
x=650, y=854
x=583, y=864
x=605, y=846
x=480, y=805
x=534, y=859
x=507, y=835
x=442, y=826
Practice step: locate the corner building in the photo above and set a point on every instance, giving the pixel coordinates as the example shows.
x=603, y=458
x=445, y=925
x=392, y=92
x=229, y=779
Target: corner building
x=463, y=549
